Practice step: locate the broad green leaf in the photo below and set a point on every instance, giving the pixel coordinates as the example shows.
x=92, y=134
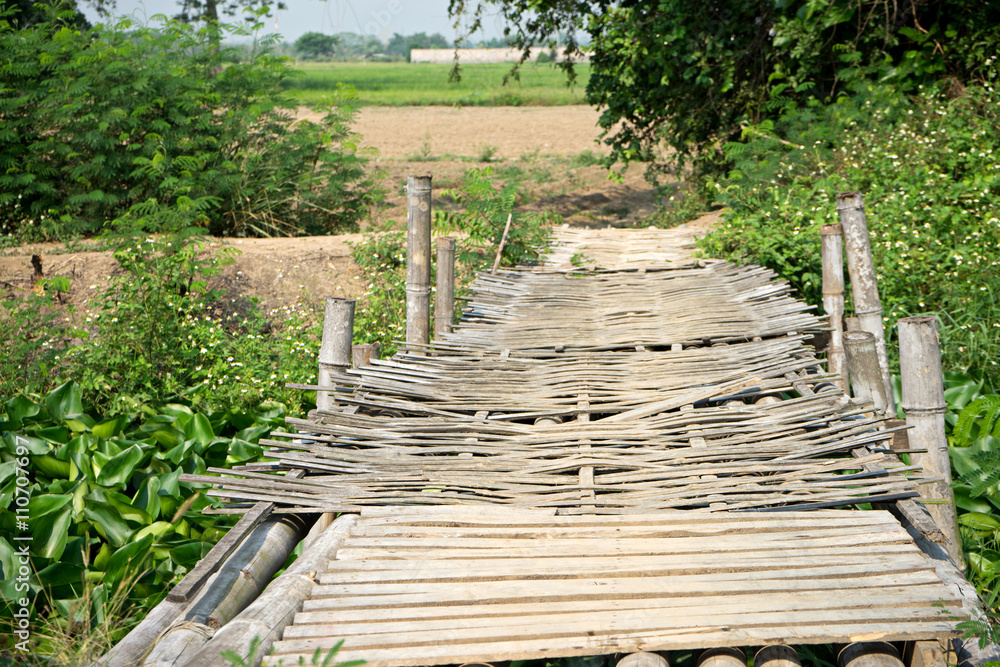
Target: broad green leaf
x=107, y=428
x=49, y=533
x=35, y=445
x=118, y=469
x=65, y=401
x=156, y=529
x=108, y=522
x=148, y=496
x=965, y=501
x=979, y=521
x=44, y=504
x=128, y=511
x=199, y=428
x=127, y=560
x=18, y=409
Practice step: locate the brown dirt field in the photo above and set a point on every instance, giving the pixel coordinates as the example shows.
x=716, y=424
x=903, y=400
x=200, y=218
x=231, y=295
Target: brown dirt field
x=534, y=147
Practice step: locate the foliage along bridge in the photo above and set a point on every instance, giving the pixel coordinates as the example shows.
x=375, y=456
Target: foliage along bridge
x=640, y=455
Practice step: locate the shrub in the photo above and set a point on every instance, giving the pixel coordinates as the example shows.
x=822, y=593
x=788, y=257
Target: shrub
x=98, y=121
x=929, y=171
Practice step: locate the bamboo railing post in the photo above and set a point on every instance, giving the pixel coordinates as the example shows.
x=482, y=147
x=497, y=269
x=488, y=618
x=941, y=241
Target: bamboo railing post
x=864, y=287
x=869, y=654
x=863, y=366
x=418, y=260
x=444, y=296
x=833, y=298
x=335, y=348
x=777, y=655
x=924, y=405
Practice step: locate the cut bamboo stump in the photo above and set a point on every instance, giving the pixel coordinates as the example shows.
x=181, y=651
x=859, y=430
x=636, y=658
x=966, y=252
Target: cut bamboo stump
x=924, y=405
x=444, y=295
x=418, y=260
x=863, y=365
x=270, y=613
x=833, y=299
x=335, y=348
x=362, y=355
x=643, y=659
x=726, y=656
x=864, y=287
x=869, y=654
x=777, y=655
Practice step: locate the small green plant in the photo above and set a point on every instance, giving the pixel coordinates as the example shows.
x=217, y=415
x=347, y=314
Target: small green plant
x=579, y=259
x=486, y=153
x=424, y=153
x=586, y=158
x=317, y=659
x=381, y=314
x=486, y=209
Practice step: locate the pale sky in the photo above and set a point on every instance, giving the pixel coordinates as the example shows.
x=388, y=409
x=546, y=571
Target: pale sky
x=381, y=18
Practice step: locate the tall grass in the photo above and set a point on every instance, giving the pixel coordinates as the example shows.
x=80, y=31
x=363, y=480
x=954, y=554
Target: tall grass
x=420, y=84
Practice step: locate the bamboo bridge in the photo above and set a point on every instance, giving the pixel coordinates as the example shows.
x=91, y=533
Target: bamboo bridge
x=619, y=450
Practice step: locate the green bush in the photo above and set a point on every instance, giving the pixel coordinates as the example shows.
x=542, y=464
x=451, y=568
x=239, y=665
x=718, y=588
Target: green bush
x=100, y=121
x=929, y=173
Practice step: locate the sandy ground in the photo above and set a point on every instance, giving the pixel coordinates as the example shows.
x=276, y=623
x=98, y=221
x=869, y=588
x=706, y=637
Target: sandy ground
x=537, y=144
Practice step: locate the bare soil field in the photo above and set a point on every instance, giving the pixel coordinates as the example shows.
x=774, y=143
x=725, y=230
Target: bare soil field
x=543, y=150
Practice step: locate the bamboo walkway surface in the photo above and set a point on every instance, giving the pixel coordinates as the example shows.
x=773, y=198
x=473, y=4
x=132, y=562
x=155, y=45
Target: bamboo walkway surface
x=601, y=460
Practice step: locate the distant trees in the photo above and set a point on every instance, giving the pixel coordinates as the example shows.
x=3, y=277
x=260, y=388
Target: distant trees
x=315, y=45
x=400, y=45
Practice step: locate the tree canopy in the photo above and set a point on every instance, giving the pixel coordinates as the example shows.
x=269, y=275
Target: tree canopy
x=400, y=45
x=691, y=76
x=314, y=45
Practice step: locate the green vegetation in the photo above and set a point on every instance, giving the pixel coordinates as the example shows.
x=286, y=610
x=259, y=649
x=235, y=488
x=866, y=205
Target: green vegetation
x=479, y=227
x=691, y=75
x=158, y=127
x=405, y=84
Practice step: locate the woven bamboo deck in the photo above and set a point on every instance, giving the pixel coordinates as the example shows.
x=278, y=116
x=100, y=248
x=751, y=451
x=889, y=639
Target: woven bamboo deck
x=642, y=455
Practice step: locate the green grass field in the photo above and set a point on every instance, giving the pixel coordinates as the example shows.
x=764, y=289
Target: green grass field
x=420, y=84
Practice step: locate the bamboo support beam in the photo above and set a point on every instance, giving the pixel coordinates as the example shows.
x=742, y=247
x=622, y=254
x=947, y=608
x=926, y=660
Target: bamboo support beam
x=335, y=348
x=643, y=659
x=268, y=616
x=832, y=248
x=777, y=655
x=236, y=584
x=869, y=654
x=862, y=363
x=418, y=260
x=864, y=287
x=924, y=405
x=727, y=656
x=444, y=295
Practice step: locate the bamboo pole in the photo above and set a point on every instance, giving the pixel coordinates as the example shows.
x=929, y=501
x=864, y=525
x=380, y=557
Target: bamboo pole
x=852, y=324
x=268, y=616
x=869, y=654
x=726, y=656
x=833, y=298
x=862, y=363
x=864, y=287
x=418, y=260
x=363, y=354
x=236, y=584
x=643, y=659
x=335, y=348
x=444, y=296
x=777, y=655
x=924, y=405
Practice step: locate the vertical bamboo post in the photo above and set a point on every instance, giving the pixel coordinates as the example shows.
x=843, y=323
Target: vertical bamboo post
x=869, y=654
x=924, y=405
x=833, y=298
x=864, y=287
x=862, y=363
x=444, y=296
x=362, y=354
x=418, y=260
x=335, y=348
